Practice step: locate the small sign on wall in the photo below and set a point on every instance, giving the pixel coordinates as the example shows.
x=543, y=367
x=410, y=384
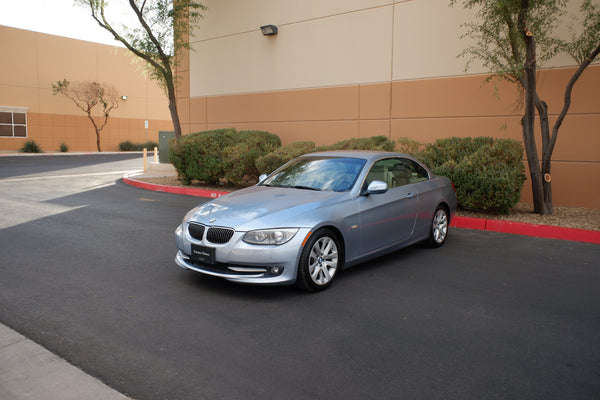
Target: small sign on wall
x=146, y=124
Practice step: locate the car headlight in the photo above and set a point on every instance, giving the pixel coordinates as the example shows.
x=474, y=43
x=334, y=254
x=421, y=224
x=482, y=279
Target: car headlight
x=270, y=236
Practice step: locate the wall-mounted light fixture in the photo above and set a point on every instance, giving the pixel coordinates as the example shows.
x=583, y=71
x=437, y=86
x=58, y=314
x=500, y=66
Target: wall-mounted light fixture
x=268, y=30
x=123, y=97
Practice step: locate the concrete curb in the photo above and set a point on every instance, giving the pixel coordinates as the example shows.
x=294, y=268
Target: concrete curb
x=491, y=225
x=29, y=371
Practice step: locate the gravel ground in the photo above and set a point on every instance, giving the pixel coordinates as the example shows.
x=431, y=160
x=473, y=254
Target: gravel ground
x=570, y=217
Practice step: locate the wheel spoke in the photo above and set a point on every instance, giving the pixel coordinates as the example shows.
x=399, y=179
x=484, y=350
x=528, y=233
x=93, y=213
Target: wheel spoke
x=314, y=273
x=326, y=274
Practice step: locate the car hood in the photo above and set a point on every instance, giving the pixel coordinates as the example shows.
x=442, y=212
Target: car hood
x=260, y=207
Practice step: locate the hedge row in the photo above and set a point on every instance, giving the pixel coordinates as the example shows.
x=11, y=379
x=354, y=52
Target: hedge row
x=130, y=146
x=270, y=162
x=488, y=173
x=220, y=155
x=226, y=156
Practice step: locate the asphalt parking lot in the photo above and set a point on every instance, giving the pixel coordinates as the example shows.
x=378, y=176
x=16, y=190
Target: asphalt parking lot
x=87, y=271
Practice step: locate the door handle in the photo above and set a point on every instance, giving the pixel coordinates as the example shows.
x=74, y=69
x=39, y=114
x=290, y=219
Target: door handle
x=409, y=195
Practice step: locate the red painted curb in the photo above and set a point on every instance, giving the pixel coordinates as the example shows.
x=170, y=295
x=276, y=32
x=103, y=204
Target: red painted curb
x=213, y=194
x=521, y=228
x=492, y=225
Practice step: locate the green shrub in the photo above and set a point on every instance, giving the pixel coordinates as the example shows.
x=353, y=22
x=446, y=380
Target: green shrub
x=239, y=159
x=270, y=162
x=221, y=155
x=453, y=148
x=381, y=143
x=31, y=147
x=63, y=148
x=199, y=155
x=409, y=146
x=488, y=173
x=150, y=145
x=129, y=146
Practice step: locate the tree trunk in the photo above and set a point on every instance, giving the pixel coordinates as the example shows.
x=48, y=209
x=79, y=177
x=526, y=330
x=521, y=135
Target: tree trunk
x=528, y=120
x=542, y=108
x=98, y=141
x=89, y=113
x=173, y=110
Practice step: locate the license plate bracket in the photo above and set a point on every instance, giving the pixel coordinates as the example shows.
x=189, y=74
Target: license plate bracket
x=203, y=254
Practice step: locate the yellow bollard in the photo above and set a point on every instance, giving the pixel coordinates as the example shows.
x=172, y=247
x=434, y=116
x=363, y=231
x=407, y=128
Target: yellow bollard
x=155, y=155
x=145, y=159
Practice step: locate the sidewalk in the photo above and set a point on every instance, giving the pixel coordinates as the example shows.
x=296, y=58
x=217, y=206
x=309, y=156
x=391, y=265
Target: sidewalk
x=28, y=371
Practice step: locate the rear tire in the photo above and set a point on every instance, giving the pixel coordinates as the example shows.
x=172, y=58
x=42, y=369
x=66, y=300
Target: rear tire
x=320, y=261
x=438, y=230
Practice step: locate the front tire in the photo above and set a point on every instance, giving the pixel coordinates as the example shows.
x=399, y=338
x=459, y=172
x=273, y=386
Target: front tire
x=320, y=261
x=438, y=231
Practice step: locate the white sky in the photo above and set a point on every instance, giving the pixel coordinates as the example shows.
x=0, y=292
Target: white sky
x=56, y=17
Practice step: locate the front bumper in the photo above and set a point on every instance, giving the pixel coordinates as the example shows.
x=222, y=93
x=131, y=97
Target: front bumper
x=242, y=262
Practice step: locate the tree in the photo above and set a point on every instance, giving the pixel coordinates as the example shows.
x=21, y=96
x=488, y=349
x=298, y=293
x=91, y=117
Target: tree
x=512, y=38
x=86, y=96
x=161, y=32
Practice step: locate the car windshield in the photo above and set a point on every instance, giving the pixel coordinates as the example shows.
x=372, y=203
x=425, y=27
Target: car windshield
x=318, y=173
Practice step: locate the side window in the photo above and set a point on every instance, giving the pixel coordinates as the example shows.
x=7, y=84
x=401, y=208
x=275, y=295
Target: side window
x=416, y=173
x=396, y=172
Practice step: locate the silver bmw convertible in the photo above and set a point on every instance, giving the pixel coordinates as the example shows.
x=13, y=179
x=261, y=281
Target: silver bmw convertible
x=315, y=215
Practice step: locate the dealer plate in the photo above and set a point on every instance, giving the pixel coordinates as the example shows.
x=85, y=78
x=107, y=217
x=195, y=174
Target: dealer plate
x=203, y=254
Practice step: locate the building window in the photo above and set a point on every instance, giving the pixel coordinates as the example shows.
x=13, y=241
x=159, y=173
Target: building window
x=13, y=122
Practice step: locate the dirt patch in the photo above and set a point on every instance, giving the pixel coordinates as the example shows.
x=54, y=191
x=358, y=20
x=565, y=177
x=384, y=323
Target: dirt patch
x=569, y=217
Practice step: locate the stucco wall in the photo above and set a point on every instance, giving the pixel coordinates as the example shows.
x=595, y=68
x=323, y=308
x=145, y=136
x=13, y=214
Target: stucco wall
x=341, y=69
x=33, y=61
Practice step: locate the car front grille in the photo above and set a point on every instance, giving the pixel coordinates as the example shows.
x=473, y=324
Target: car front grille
x=213, y=234
x=219, y=235
x=196, y=231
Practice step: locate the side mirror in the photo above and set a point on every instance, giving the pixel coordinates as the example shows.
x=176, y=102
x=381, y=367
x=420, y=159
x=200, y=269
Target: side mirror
x=262, y=178
x=377, y=187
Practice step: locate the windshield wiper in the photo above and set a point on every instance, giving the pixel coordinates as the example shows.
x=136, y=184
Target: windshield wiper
x=305, y=187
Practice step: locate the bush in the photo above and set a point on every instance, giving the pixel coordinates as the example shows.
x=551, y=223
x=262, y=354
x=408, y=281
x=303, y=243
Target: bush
x=239, y=159
x=380, y=143
x=63, y=148
x=488, y=173
x=409, y=146
x=150, y=145
x=270, y=162
x=129, y=146
x=31, y=147
x=199, y=155
x=222, y=154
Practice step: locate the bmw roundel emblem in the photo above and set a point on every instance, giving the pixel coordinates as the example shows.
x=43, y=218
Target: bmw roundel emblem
x=212, y=220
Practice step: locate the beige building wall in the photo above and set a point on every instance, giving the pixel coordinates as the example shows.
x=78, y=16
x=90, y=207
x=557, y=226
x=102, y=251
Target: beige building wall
x=356, y=68
x=33, y=61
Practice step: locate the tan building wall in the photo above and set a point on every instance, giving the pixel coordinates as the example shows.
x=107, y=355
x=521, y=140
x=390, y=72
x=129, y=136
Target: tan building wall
x=355, y=68
x=33, y=61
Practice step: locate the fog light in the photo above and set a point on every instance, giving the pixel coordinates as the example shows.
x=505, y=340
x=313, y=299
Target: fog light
x=275, y=270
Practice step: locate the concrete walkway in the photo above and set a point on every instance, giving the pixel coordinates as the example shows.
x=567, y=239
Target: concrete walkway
x=28, y=371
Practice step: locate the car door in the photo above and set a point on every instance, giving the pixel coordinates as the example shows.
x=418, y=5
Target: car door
x=389, y=218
